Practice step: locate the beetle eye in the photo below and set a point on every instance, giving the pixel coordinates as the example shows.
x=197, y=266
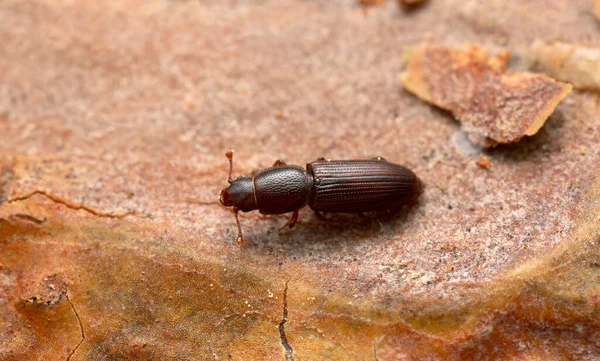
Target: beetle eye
x=225, y=198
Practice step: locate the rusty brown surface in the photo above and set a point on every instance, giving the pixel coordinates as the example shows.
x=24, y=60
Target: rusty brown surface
x=371, y=2
x=490, y=103
x=115, y=118
x=576, y=64
x=597, y=8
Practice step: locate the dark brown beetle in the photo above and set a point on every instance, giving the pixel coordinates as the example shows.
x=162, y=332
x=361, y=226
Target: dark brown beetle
x=343, y=186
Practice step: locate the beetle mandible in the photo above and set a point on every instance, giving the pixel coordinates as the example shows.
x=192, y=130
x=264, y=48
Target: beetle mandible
x=343, y=186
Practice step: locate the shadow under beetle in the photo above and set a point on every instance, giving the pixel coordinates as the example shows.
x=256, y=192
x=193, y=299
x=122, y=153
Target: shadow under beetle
x=343, y=186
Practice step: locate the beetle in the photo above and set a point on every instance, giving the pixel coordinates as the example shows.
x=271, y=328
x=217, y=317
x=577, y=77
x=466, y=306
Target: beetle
x=342, y=186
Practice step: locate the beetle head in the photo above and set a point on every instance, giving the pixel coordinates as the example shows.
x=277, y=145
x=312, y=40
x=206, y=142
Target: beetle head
x=239, y=195
x=225, y=198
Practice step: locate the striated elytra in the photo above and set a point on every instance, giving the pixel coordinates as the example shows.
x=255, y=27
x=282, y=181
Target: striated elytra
x=343, y=186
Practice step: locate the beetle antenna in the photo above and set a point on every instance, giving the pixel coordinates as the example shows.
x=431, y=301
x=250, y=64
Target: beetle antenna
x=229, y=156
x=240, y=238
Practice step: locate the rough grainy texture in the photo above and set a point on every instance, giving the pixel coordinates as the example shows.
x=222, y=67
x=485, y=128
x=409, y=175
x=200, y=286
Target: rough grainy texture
x=489, y=102
x=119, y=113
x=576, y=64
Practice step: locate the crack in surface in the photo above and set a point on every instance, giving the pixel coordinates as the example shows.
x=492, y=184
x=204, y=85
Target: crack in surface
x=29, y=218
x=375, y=349
x=70, y=205
x=289, y=353
x=80, y=327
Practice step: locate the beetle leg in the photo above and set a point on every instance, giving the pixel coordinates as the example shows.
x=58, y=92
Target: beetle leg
x=291, y=222
x=321, y=217
x=240, y=238
x=279, y=163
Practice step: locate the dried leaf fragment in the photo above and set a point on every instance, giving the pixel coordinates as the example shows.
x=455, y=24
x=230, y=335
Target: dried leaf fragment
x=576, y=64
x=487, y=100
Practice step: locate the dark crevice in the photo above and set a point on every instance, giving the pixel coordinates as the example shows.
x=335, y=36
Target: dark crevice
x=80, y=328
x=375, y=350
x=70, y=205
x=30, y=218
x=289, y=353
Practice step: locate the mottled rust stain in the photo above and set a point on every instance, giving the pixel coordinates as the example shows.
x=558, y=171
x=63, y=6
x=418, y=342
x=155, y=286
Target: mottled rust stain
x=128, y=299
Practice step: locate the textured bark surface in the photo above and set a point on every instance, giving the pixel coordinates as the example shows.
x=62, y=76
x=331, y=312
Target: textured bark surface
x=488, y=102
x=114, y=120
x=576, y=64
